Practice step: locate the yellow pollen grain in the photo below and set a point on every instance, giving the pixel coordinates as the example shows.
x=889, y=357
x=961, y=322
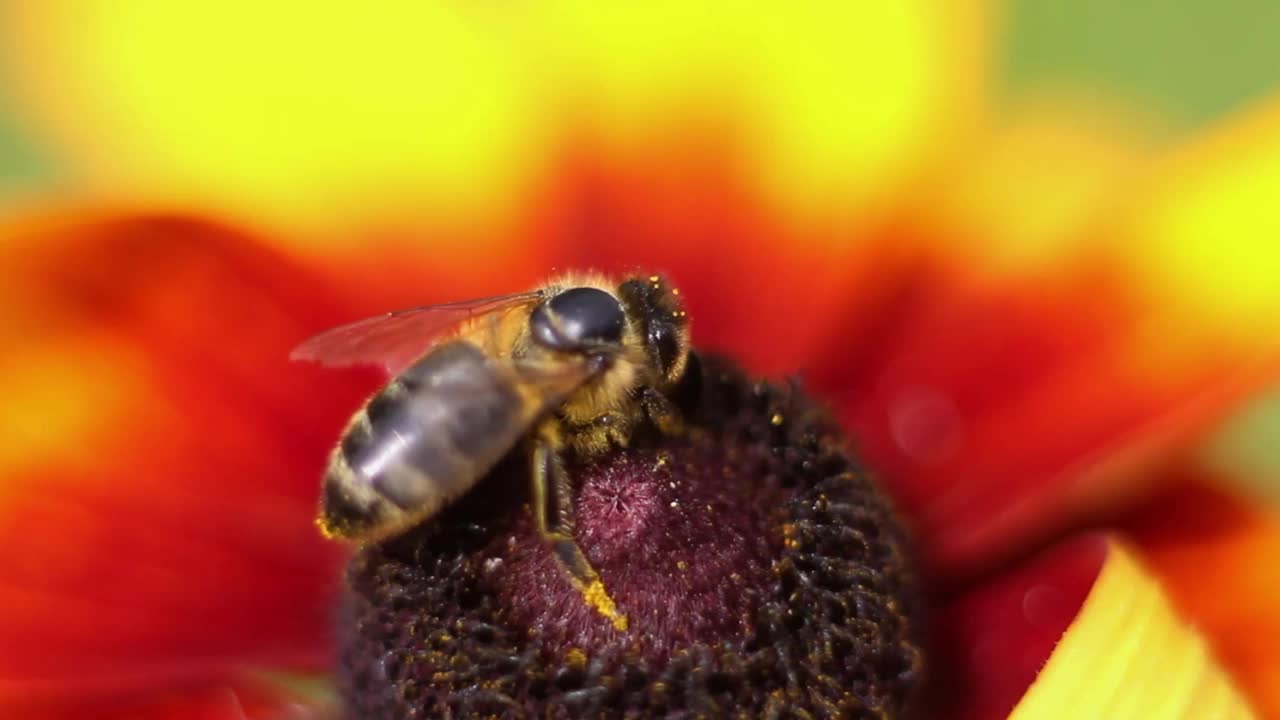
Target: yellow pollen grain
x=682, y=566
x=598, y=598
x=776, y=419
x=576, y=658
x=654, y=278
x=789, y=536
x=325, y=529
x=675, y=291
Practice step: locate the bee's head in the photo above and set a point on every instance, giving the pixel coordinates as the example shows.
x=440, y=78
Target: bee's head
x=593, y=321
x=583, y=320
x=662, y=322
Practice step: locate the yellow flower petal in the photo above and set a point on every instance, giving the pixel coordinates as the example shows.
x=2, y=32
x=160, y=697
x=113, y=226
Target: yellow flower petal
x=1031, y=186
x=1128, y=655
x=1205, y=235
x=336, y=117
x=845, y=103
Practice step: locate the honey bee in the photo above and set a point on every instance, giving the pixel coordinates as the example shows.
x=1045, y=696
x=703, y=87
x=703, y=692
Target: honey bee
x=573, y=367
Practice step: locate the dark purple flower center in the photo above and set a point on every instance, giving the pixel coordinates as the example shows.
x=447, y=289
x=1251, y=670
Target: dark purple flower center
x=681, y=552
x=759, y=569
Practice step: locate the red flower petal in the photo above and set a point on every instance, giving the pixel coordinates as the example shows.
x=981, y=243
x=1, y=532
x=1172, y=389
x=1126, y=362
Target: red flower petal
x=996, y=413
x=166, y=534
x=992, y=642
x=760, y=288
x=231, y=700
x=1002, y=403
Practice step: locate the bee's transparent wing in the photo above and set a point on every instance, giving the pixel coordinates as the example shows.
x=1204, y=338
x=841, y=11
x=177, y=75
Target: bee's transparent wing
x=396, y=339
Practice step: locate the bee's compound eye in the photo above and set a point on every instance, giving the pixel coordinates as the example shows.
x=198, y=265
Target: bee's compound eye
x=578, y=318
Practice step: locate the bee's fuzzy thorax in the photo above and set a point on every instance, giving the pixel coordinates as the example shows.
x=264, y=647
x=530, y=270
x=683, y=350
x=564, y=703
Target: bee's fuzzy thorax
x=760, y=569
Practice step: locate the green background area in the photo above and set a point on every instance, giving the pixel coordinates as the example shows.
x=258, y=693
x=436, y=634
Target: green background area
x=1191, y=60
x=1188, y=61
x=22, y=163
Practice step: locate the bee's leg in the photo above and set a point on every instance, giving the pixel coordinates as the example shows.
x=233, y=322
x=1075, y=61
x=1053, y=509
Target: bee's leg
x=554, y=516
x=552, y=488
x=662, y=412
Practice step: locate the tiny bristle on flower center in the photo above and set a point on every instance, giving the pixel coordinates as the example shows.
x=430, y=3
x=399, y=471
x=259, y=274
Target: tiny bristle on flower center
x=759, y=569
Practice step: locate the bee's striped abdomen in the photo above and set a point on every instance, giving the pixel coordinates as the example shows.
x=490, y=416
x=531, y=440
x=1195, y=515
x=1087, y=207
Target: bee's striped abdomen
x=426, y=438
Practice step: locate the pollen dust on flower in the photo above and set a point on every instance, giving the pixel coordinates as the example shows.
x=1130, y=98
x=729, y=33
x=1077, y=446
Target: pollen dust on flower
x=597, y=597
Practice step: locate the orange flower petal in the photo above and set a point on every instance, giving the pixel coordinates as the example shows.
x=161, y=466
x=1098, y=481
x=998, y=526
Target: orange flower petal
x=156, y=503
x=1215, y=552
